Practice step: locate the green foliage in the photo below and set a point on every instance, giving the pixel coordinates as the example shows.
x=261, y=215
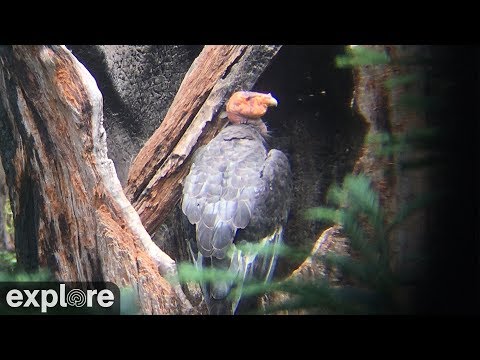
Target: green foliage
x=129, y=302
x=418, y=142
x=8, y=261
x=418, y=103
x=418, y=203
x=188, y=272
x=20, y=276
x=401, y=80
x=362, y=220
x=361, y=56
x=316, y=296
x=8, y=216
x=356, y=208
x=279, y=249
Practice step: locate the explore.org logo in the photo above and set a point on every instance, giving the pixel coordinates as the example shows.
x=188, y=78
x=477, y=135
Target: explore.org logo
x=59, y=298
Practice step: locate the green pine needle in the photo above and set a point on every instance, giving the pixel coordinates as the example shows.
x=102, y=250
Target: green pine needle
x=361, y=56
x=397, y=81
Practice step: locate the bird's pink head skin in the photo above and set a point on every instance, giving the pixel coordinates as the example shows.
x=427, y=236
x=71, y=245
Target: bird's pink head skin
x=247, y=107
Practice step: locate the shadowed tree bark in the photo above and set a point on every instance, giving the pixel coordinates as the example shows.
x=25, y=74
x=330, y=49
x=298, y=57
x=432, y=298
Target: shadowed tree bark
x=383, y=111
x=71, y=214
x=69, y=208
x=138, y=84
x=163, y=162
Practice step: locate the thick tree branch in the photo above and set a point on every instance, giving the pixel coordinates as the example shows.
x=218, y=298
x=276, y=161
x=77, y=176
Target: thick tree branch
x=154, y=181
x=70, y=211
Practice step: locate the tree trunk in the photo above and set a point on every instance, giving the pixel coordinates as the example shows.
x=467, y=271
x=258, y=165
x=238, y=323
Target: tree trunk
x=70, y=212
x=138, y=84
x=383, y=111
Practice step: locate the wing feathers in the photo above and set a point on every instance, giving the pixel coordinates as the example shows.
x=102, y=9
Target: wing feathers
x=234, y=182
x=222, y=238
x=242, y=215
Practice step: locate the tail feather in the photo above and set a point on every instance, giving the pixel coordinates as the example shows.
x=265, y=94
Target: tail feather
x=246, y=266
x=270, y=263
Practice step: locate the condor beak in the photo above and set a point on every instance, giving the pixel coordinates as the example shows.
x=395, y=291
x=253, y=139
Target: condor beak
x=270, y=100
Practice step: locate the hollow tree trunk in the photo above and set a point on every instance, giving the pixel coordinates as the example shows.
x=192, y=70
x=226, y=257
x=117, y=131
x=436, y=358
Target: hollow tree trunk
x=71, y=214
x=138, y=84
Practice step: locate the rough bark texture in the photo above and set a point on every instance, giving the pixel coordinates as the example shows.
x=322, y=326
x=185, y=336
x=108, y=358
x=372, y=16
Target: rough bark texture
x=138, y=83
x=70, y=211
x=155, y=178
x=383, y=111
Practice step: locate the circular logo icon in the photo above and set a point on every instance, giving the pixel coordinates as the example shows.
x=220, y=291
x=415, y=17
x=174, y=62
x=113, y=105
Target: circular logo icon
x=76, y=297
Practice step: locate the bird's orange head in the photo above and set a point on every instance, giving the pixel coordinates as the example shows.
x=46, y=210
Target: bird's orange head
x=247, y=106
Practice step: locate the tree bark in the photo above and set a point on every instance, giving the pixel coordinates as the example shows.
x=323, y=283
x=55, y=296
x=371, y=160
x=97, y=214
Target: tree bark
x=154, y=181
x=383, y=111
x=138, y=84
x=70, y=212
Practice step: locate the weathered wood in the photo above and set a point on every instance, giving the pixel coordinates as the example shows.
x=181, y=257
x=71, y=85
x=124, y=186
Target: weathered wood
x=154, y=181
x=210, y=65
x=382, y=110
x=70, y=212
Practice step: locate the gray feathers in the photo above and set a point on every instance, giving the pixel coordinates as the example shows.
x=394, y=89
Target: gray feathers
x=243, y=214
x=235, y=184
x=223, y=186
